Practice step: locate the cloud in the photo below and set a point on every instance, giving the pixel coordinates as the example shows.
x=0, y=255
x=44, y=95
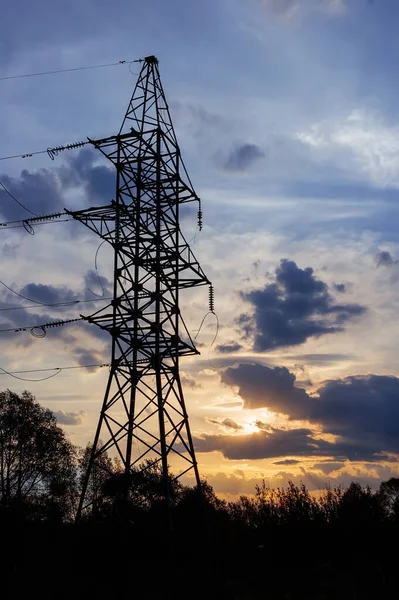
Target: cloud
x=229, y=348
x=328, y=466
x=272, y=387
x=360, y=141
x=46, y=191
x=361, y=410
x=97, y=180
x=297, y=306
x=243, y=156
x=340, y=288
x=189, y=381
x=286, y=442
x=228, y=423
x=49, y=294
x=287, y=462
x=70, y=418
x=292, y=9
x=97, y=284
x=362, y=405
x=385, y=259
x=88, y=357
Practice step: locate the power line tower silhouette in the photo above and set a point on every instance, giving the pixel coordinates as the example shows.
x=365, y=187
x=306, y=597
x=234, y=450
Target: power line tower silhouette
x=144, y=414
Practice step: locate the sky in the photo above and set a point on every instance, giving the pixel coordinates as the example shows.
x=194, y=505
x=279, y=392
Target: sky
x=287, y=117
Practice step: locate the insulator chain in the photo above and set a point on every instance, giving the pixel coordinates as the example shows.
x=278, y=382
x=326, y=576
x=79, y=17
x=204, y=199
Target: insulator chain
x=199, y=215
x=44, y=217
x=27, y=223
x=40, y=330
x=53, y=152
x=211, y=299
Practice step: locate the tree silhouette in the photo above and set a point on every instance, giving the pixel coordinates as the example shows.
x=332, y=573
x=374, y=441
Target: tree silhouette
x=37, y=462
x=388, y=496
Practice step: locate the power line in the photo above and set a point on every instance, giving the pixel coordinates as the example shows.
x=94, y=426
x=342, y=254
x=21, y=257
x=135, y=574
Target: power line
x=43, y=326
x=57, y=370
x=51, y=304
x=114, y=64
x=67, y=303
x=16, y=200
x=51, y=152
x=28, y=227
x=29, y=299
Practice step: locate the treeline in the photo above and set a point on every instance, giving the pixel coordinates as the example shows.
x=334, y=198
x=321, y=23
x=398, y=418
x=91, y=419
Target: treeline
x=276, y=543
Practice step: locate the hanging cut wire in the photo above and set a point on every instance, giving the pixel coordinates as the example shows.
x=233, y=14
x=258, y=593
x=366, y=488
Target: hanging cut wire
x=97, y=273
x=211, y=311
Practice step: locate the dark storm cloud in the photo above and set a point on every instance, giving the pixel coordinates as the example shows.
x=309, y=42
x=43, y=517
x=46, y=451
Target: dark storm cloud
x=339, y=287
x=385, y=259
x=281, y=442
x=98, y=180
x=43, y=191
x=97, y=285
x=274, y=388
x=48, y=294
x=40, y=191
x=27, y=319
x=228, y=348
x=360, y=405
x=243, y=156
x=295, y=307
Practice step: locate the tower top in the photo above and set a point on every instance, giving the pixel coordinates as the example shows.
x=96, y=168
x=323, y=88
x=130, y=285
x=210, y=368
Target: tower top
x=150, y=60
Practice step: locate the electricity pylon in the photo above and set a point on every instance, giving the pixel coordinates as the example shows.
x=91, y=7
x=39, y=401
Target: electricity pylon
x=144, y=414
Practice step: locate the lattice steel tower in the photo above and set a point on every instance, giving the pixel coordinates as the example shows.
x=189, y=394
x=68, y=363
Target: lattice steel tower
x=144, y=414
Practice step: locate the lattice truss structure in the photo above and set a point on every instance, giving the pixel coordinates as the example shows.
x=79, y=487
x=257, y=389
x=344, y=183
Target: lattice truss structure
x=144, y=414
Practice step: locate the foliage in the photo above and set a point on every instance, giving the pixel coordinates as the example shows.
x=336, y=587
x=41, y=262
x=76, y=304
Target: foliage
x=37, y=462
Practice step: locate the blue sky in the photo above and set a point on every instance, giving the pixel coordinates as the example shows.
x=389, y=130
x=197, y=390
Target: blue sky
x=287, y=117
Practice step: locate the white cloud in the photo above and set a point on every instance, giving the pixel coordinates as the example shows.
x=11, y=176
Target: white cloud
x=293, y=9
x=373, y=145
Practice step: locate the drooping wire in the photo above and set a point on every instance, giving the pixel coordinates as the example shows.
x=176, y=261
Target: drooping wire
x=57, y=369
x=17, y=201
x=97, y=273
x=35, y=301
x=72, y=302
x=57, y=372
x=114, y=64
